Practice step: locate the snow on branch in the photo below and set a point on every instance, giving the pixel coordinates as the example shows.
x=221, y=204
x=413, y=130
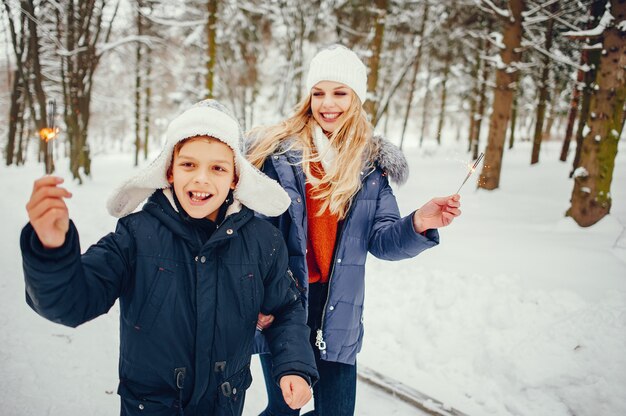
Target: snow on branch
x=489, y=7
x=537, y=8
x=174, y=22
x=607, y=19
x=147, y=40
x=529, y=21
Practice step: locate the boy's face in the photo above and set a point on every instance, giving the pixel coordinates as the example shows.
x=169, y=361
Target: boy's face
x=203, y=172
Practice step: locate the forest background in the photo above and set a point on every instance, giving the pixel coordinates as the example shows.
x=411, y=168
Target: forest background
x=520, y=311
x=490, y=72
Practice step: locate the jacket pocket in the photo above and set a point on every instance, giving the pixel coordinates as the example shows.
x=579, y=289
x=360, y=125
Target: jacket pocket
x=250, y=300
x=135, y=405
x=232, y=392
x=152, y=305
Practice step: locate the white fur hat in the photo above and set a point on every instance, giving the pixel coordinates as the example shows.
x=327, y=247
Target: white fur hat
x=339, y=64
x=207, y=118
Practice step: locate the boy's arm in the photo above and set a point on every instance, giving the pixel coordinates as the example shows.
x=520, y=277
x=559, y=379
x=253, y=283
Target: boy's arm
x=62, y=285
x=288, y=335
x=70, y=289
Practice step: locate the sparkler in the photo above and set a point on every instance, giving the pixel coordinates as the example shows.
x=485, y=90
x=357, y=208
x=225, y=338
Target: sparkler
x=48, y=134
x=471, y=170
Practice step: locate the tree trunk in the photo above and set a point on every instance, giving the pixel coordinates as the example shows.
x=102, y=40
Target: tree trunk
x=147, y=110
x=573, y=108
x=444, y=93
x=211, y=47
x=416, y=66
x=371, y=105
x=543, y=89
x=138, y=55
x=591, y=196
x=21, y=146
x=552, y=113
x=503, y=97
x=474, y=96
x=36, y=79
x=14, y=116
x=425, y=104
x=593, y=61
x=482, y=99
x=513, y=121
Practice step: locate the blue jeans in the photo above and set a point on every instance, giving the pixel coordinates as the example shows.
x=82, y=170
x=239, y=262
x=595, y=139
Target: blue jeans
x=333, y=395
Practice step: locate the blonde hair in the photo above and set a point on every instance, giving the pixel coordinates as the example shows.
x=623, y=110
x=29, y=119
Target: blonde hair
x=351, y=140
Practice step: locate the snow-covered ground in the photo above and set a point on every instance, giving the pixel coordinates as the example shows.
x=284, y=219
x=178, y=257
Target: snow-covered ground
x=518, y=312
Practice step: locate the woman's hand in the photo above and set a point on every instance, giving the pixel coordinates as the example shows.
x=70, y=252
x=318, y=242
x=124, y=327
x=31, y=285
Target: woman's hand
x=437, y=213
x=264, y=321
x=47, y=211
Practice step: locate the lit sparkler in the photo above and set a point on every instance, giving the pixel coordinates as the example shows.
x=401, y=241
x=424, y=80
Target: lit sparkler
x=471, y=170
x=48, y=134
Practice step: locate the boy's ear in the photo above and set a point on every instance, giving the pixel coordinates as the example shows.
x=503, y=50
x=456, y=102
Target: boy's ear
x=234, y=182
x=170, y=177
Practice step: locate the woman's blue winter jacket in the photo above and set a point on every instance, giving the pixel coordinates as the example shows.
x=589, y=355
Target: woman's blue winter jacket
x=188, y=310
x=373, y=225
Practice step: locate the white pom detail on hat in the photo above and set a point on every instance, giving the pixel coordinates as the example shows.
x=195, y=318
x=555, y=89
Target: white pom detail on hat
x=338, y=64
x=207, y=118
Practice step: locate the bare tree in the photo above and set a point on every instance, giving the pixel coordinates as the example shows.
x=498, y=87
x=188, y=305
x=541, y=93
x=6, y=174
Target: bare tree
x=82, y=25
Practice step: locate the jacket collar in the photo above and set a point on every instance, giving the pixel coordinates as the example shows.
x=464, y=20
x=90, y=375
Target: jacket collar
x=160, y=206
x=388, y=157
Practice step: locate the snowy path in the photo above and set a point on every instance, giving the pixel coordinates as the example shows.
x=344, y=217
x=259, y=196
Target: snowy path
x=519, y=312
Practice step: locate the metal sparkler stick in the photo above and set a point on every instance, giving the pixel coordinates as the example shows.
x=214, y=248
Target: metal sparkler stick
x=49, y=135
x=472, y=169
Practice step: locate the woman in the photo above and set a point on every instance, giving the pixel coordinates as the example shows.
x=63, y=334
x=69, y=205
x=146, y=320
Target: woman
x=336, y=172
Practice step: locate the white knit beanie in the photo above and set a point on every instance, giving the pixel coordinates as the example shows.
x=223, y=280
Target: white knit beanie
x=207, y=118
x=338, y=64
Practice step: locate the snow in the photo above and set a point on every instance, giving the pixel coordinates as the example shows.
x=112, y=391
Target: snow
x=605, y=21
x=580, y=172
x=517, y=312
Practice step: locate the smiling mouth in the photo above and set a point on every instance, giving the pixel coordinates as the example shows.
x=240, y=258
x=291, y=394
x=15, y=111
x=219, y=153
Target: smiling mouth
x=198, y=197
x=330, y=117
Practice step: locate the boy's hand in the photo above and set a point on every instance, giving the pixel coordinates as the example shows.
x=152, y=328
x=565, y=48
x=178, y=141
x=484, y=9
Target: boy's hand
x=264, y=321
x=296, y=391
x=48, y=212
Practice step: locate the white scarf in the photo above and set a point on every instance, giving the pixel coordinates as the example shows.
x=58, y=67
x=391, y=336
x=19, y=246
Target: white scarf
x=326, y=151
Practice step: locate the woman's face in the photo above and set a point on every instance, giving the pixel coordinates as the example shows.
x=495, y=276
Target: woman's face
x=329, y=101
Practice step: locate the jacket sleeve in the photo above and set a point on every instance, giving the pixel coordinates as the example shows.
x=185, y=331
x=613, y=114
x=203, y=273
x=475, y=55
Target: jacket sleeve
x=392, y=237
x=288, y=336
x=70, y=289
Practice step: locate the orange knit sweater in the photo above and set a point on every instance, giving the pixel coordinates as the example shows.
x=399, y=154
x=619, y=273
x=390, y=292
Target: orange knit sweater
x=322, y=232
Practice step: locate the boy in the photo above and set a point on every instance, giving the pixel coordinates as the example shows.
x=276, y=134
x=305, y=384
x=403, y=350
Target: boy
x=192, y=270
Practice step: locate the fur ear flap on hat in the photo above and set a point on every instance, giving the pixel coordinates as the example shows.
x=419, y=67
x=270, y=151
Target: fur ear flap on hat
x=207, y=118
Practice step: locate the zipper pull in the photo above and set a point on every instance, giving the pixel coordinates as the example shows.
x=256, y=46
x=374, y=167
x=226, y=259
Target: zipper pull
x=319, y=340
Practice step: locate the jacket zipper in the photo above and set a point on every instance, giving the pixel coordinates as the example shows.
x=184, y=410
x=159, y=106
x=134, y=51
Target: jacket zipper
x=319, y=336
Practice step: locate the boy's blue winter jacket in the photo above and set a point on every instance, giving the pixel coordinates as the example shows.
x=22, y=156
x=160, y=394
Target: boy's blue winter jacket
x=188, y=310
x=373, y=225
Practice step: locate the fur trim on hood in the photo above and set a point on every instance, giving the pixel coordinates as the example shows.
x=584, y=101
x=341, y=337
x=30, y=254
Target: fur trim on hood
x=391, y=159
